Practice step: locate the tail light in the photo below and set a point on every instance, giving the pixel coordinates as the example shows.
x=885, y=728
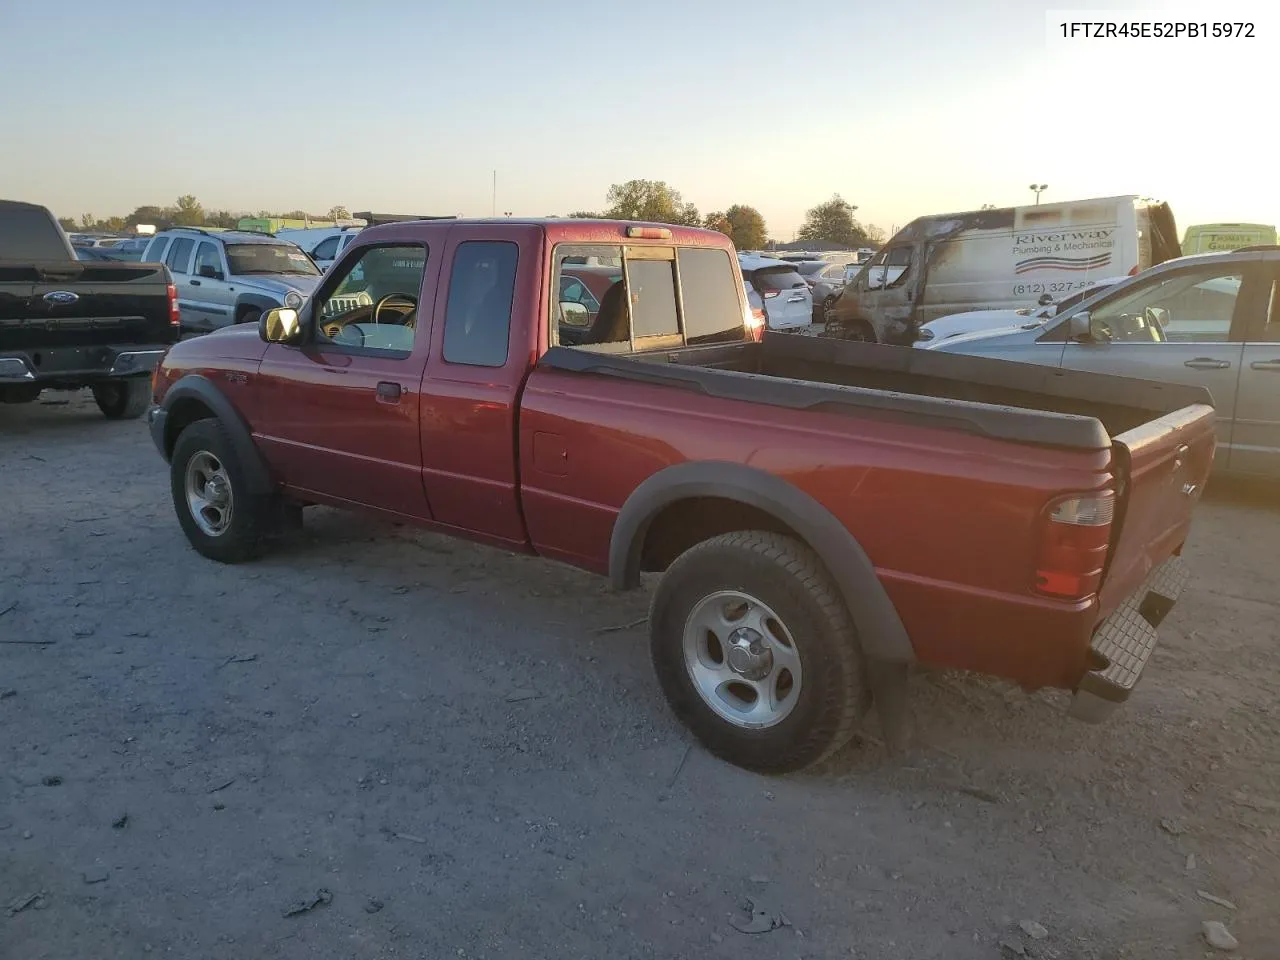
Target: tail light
x=768, y=294
x=1074, y=538
x=1133, y=271
x=175, y=315
x=755, y=324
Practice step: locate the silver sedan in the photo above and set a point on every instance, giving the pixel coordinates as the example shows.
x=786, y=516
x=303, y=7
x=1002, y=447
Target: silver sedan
x=1211, y=320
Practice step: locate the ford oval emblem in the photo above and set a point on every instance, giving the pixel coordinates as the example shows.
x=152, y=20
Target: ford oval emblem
x=61, y=297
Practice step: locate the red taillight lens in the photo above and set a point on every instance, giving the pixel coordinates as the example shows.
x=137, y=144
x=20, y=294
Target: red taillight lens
x=175, y=315
x=1074, y=540
x=1133, y=272
x=770, y=294
x=755, y=324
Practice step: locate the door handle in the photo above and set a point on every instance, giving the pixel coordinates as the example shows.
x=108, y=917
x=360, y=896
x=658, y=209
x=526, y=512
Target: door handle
x=1205, y=363
x=1272, y=365
x=389, y=392
x=194, y=283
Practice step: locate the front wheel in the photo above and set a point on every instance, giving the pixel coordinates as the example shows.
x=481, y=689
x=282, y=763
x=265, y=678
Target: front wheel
x=251, y=315
x=756, y=652
x=222, y=518
x=123, y=399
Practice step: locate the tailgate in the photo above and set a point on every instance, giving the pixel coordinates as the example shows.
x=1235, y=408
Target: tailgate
x=88, y=303
x=1161, y=467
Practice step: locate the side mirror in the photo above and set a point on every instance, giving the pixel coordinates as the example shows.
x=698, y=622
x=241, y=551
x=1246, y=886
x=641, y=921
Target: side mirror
x=1085, y=329
x=280, y=325
x=210, y=273
x=575, y=314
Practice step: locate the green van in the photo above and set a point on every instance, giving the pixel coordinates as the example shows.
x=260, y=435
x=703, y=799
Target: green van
x=1221, y=237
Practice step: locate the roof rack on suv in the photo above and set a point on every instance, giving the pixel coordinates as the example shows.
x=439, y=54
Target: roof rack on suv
x=193, y=230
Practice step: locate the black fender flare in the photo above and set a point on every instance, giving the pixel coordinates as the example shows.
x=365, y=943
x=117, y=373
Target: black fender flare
x=879, y=627
x=195, y=386
x=259, y=301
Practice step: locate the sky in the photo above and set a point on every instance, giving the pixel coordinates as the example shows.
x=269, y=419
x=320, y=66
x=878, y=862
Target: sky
x=410, y=106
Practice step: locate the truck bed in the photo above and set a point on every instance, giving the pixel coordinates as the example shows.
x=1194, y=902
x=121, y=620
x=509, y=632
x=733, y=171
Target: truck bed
x=1024, y=403
x=1037, y=432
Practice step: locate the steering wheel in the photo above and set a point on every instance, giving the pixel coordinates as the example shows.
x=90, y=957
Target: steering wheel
x=403, y=303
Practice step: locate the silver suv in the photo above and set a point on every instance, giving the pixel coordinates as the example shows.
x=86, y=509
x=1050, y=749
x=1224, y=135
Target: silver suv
x=229, y=276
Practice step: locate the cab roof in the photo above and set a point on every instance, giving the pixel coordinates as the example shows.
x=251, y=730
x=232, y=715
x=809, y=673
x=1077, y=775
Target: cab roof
x=566, y=230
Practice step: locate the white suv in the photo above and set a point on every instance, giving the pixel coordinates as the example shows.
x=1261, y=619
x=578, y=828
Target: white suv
x=788, y=302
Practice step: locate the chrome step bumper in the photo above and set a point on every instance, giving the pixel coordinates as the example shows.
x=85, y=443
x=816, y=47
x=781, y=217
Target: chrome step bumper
x=1125, y=641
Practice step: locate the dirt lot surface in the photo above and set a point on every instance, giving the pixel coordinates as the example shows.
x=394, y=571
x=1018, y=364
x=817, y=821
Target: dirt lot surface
x=452, y=746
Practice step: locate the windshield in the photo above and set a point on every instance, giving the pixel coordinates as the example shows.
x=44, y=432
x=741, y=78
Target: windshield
x=276, y=258
x=811, y=267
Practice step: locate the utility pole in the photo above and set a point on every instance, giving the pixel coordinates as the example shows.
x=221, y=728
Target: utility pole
x=494, y=212
x=1037, y=188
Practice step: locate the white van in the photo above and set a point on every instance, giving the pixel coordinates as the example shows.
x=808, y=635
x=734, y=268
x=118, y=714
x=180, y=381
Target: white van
x=1004, y=259
x=322, y=244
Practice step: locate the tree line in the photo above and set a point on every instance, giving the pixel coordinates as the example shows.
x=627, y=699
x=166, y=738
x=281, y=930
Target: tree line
x=186, y=212
x=655, y=201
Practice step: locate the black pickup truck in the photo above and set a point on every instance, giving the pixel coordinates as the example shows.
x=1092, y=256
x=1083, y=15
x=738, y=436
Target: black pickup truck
x=67, y=323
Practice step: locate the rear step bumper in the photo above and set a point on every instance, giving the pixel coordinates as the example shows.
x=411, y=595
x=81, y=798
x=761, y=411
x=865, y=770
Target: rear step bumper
x=70, y=363
x=1125, y=641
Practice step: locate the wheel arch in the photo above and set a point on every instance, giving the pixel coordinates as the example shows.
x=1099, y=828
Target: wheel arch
x=252, y=301
x=691, y=502
x=194, y=397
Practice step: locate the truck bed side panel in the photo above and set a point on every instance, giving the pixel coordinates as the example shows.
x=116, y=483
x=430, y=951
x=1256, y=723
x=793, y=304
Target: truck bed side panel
x=946, y=516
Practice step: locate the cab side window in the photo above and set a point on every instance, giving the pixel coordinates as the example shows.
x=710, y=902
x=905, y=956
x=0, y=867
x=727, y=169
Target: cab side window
x=208, y=263
x=179, y=258
x=327, y=249
x=374, y=306
x=155, y=250
x=477, y=320
x=1188, y=305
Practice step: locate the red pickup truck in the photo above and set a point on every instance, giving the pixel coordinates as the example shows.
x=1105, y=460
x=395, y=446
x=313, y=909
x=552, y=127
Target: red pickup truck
x=824, y=513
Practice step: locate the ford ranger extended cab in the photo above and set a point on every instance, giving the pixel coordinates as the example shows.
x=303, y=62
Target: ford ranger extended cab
x=824, y=513
x=67, y=323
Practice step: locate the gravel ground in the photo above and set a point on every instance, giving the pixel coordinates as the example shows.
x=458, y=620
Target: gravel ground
x=467, y=752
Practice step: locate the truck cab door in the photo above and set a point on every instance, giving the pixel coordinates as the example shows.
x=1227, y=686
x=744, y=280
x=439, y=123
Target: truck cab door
x=1255, y=440
x=484, y=342
x=337, y=414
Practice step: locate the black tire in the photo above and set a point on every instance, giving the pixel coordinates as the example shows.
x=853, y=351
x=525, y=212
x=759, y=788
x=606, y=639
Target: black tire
x=21, y=393
x=858, y=330
x=250, y=521
x=123, y=399
x=790, y=579
x=251, y=315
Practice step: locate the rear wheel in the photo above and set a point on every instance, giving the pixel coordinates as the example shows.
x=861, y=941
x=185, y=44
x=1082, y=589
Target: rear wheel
x=222, y=518
x=756, y=652
x=123, y=399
